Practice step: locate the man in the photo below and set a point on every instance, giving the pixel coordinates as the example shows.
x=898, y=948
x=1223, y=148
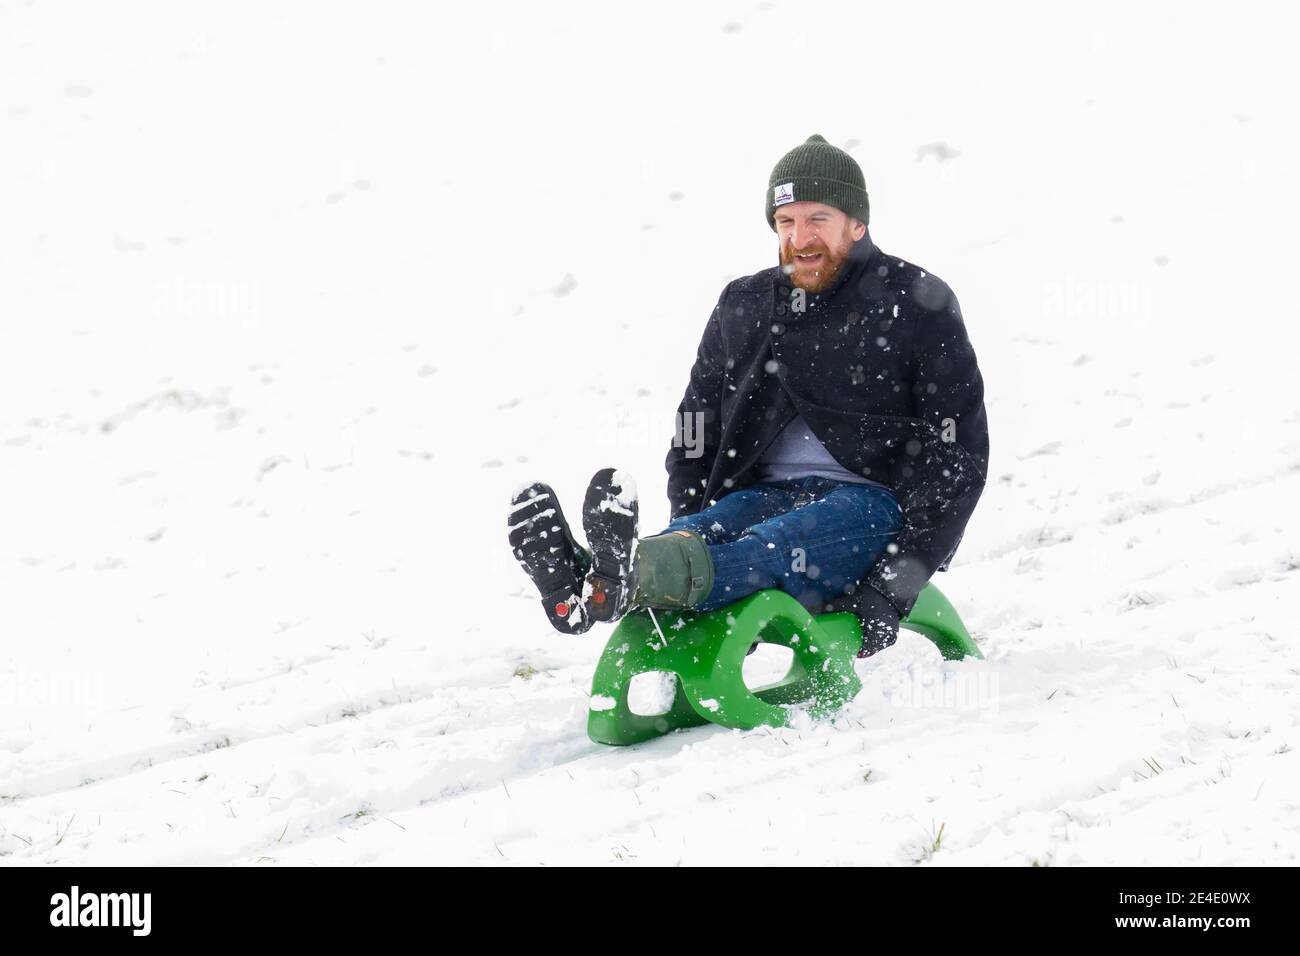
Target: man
x=840, y=412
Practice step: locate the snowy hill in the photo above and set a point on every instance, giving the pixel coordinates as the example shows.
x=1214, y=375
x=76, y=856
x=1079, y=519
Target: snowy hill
x=291, y=300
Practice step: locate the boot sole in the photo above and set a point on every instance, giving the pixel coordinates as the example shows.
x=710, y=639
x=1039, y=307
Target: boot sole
x=609, y=516
x=545, y=548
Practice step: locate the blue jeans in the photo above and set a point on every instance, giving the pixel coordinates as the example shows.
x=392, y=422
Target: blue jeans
x=810, y=537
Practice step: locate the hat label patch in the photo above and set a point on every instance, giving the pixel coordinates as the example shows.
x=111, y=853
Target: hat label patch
x=782, y=194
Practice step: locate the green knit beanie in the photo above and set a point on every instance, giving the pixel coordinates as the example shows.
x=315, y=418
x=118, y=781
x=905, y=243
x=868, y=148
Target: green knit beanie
x=816, y=171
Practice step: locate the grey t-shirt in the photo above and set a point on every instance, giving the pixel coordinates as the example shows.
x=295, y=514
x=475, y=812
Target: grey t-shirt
x=798, y=453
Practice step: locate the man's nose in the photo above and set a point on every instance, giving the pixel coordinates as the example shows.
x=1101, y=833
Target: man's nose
x=803, y=237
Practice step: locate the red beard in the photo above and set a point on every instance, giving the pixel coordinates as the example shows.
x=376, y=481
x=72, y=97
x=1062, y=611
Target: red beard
x=817, y=277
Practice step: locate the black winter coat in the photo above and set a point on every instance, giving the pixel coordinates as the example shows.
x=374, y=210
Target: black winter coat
x=880, y=367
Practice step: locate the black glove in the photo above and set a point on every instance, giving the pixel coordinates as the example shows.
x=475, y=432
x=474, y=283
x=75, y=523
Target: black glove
x=878, y=617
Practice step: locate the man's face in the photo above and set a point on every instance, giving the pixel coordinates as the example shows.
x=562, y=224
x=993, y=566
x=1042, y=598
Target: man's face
x=815, y=242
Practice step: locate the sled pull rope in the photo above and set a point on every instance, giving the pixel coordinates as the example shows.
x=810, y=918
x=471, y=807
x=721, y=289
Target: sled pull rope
x=659, y=629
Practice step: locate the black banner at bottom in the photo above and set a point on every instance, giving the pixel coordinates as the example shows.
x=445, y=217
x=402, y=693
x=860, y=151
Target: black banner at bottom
x=923, y=905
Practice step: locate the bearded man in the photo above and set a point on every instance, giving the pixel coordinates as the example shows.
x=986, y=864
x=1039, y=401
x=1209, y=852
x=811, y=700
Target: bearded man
x=832, y=441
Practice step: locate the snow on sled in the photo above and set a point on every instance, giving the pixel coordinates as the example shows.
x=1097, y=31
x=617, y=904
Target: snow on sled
x=703, y=655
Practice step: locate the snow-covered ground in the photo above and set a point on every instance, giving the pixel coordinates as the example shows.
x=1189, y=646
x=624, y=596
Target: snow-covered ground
x=292, y=296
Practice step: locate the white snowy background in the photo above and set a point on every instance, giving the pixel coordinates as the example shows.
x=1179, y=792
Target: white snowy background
x=293, y=295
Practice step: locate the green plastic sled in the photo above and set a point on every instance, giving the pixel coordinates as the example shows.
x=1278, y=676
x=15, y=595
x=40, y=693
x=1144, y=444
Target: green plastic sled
x=706, y=653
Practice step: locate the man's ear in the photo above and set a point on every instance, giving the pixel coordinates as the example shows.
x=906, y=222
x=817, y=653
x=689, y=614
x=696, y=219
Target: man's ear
x=857, y=228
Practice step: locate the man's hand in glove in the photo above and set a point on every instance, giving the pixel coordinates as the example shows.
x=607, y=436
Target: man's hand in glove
x=878, y=617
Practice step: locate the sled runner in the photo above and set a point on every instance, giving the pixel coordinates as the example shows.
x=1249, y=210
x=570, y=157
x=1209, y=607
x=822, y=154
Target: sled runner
x=704, y=654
